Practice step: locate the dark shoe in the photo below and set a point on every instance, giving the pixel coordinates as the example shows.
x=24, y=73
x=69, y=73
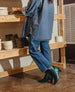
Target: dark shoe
x=55, y=74
x=47, y=78
x=57, y=71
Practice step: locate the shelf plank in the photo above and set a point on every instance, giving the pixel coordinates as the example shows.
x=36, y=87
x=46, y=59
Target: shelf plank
x=4, y=54
x=59, y=16
x=25, y=51
x=59, y=65
x=15, y=71
x=11, y=18
x=20, y=18
x=58, y=45
x=27, y=68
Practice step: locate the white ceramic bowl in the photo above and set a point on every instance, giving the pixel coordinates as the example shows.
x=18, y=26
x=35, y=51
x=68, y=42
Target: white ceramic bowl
x=3, y=10
x=59, y=39
x=7, y=45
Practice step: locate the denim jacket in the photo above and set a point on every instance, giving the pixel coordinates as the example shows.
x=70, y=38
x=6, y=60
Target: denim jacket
x=39, y=18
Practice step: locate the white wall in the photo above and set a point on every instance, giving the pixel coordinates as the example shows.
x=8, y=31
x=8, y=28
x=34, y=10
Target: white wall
x=55, y=28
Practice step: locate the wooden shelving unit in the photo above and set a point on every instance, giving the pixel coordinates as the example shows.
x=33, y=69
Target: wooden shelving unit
x=25, y=51
x=4, y=54
x=20, y=18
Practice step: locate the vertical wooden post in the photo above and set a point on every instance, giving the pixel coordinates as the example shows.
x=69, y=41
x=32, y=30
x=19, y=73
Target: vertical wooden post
x=63, y=57
x=61, y=25
x=52, y=55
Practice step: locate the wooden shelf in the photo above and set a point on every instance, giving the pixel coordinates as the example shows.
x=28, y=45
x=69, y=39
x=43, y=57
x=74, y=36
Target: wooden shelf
x=20, y=18
x=27, y=68
x=25, y=51
x=57, y=45
x=59, y=16
x=4, y=54
x=11, y=18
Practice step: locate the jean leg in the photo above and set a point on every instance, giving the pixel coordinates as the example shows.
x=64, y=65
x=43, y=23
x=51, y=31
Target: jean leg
x=46, y=51
x=37, y=56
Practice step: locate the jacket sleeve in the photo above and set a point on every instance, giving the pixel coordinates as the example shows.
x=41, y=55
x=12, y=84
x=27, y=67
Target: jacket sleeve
x=31, y=9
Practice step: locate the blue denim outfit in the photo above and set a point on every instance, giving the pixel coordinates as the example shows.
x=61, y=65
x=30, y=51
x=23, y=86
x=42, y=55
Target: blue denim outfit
x=42, y=58
x=39, y=16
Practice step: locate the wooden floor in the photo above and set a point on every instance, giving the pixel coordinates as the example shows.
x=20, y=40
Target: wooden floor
x=28, y=82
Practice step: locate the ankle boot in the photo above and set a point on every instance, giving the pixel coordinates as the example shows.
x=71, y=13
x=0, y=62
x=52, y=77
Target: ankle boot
x=47, y=77
x=54, y=74
x=57, y=71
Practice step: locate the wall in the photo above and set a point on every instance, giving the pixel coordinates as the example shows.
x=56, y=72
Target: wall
x=70, y=30
x=8, y=28
x=69, y=1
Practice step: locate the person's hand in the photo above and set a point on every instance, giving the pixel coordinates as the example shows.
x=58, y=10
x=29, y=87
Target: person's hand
x=50, y=1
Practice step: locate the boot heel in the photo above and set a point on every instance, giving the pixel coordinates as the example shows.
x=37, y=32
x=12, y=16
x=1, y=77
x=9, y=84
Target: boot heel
x=55, y=81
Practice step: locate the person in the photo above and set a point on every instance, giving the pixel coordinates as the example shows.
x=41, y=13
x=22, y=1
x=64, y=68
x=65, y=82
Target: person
x=38, y=26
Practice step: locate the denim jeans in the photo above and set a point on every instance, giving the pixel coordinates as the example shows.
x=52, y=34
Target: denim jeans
x=41, y=57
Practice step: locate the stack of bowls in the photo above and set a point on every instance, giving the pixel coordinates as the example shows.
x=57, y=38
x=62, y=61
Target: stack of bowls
x=59, y=39
x=7, y=45
x=3, y=10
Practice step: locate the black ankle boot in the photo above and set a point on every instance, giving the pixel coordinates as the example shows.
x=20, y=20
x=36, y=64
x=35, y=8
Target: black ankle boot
x=47, y=77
